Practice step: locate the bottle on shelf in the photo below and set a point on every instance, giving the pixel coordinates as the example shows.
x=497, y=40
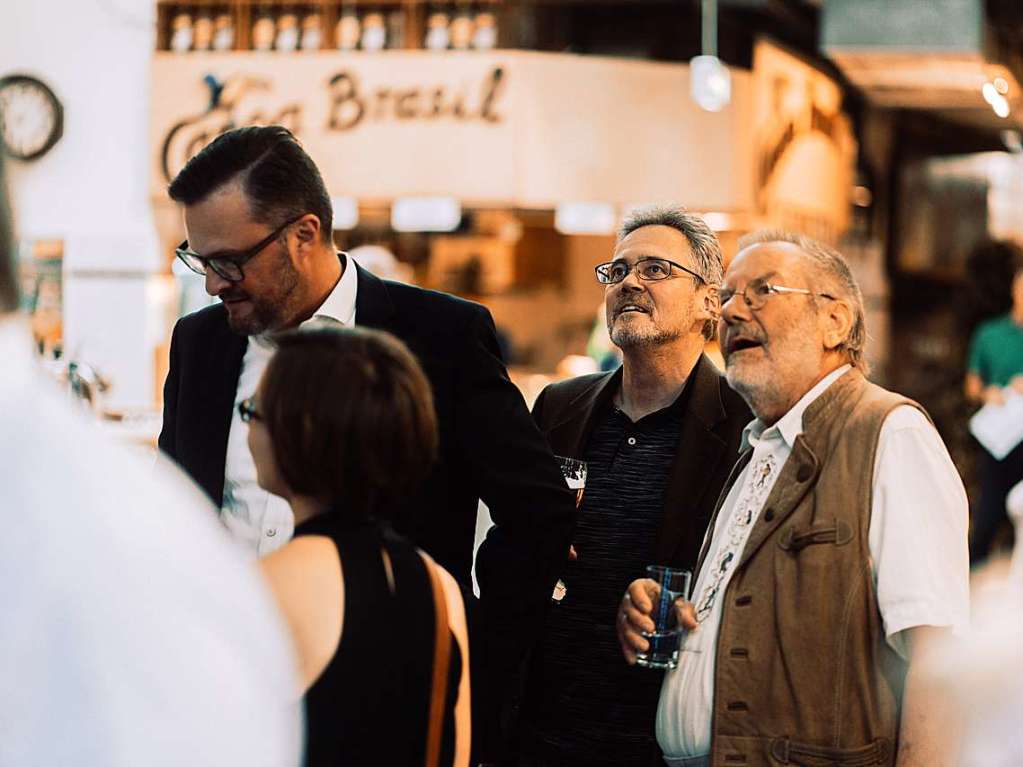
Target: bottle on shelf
x=264, y=29
x=202, y=30
x=438, y=34
x=484, y=37
x=312, y=31
x=223, y=31
x=181, y=31
x=348, y=30
x=374, y=32
x=286, y=40
x=462, y=28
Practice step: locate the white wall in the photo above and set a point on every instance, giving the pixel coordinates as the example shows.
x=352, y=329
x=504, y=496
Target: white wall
x=91, y=189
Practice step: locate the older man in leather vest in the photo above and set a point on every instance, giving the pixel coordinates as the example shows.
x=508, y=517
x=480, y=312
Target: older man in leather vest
x=837, y=553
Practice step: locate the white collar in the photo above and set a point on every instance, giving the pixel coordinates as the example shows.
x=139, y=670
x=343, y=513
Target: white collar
x=340, y=304
x=790, y=425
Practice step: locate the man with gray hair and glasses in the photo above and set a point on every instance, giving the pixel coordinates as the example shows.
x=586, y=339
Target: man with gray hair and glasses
x=658, y=437
x=837, y=555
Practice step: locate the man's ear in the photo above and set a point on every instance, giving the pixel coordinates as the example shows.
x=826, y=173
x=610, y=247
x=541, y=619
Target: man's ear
x=838, y=318
x=710, y=303
x=307, y=230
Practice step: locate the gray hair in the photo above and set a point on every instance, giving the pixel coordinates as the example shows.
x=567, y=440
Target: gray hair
x=703, y=243
x=832, y=266
x=8, y=267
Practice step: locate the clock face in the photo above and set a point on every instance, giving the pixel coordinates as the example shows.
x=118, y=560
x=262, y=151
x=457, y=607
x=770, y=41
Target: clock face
x=31, y=118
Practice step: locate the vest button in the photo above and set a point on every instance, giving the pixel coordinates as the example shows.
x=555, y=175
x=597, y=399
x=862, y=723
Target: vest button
x=744, y=600
x=769, y=515
x=804, y=473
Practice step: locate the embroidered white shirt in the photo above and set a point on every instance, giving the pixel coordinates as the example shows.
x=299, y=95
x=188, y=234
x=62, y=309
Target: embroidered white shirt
x=917, y=541
x=261, y=521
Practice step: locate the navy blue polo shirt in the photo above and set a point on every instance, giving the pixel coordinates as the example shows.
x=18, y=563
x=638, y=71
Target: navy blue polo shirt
x=583, y=703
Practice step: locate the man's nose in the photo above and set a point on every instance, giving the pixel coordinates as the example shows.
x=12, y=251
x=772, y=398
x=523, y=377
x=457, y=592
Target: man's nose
x=735, y=309
x=631, y=282
x=214, y=282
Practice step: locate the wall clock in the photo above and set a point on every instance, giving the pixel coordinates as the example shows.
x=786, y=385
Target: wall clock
x=31, y=117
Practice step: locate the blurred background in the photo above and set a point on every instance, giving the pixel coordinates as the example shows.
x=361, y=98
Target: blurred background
x=490, y=148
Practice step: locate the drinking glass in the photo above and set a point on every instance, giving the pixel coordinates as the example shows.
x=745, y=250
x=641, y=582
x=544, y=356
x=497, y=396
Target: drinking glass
x=575, y=476
x=574, y=473
x=666, y=638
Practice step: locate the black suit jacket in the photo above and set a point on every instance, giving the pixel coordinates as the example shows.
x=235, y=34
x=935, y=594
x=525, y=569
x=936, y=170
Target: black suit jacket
x=489, y=446
x=708, y=447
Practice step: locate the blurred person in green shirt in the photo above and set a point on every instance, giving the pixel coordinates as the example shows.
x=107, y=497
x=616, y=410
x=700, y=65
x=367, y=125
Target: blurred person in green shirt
x=994, y=371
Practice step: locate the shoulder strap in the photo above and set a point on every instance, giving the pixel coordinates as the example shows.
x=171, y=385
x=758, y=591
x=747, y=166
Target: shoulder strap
x=441, y=661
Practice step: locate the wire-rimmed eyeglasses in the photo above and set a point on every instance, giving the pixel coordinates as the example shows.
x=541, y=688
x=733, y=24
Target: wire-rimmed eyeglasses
x=756, y=293
x=647, y=269
x=228, y=267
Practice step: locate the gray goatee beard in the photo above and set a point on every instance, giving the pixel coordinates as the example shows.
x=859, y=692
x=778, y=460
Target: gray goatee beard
x=626, y=339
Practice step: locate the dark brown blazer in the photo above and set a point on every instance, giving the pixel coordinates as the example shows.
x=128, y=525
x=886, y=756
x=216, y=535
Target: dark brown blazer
x=715, y=416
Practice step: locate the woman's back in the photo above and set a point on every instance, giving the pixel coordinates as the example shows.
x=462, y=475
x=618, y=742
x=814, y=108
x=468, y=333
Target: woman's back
x=369, y=703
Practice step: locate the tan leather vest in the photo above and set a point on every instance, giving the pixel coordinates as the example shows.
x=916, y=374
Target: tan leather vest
x=804, y=675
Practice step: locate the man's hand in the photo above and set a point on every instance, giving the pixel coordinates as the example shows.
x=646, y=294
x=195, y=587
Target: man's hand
x=635, y=617
x=993, y=395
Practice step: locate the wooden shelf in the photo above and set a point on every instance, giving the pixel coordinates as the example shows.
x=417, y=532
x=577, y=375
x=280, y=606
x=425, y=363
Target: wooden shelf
x=243, y=14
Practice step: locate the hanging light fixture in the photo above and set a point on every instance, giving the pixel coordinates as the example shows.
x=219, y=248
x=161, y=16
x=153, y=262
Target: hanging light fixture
x=709, y=80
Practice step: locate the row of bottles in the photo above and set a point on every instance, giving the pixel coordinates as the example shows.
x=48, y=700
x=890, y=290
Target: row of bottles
x=293, y=28
x=461, y=31
x=211, y=29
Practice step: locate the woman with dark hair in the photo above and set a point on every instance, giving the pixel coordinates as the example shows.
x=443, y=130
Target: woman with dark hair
x=343, y=427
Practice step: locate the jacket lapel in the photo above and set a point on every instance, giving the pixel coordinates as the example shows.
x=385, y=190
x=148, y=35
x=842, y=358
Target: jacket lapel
x=224, y=366
x=373, y=305
x=568, y=436
x=699, y=450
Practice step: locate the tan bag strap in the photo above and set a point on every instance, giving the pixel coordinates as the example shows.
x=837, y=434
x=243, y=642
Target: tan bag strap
x=441, y=663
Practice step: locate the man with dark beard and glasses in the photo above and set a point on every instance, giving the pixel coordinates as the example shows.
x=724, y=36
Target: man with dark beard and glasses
x=658, y=437
x=258, y=219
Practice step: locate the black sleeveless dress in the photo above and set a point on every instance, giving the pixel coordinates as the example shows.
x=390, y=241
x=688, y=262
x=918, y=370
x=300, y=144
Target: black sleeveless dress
x=370, y=705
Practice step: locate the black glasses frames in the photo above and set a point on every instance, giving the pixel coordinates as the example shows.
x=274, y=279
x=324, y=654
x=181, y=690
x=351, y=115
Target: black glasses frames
x=229, y=268
x=248, y=412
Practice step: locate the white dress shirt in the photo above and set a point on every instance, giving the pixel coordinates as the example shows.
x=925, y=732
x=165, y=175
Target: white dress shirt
x=917, y=542
x=260, y=521
x=132, y=630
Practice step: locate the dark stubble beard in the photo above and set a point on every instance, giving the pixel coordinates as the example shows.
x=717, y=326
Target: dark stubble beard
x=276, y=308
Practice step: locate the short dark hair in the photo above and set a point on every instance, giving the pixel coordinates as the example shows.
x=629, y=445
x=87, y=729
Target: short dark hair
x=351, y=418
x=280, y=180
x=9, y=291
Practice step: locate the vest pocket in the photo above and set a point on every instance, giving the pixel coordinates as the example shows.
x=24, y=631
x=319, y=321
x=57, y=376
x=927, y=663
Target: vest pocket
x=784, y=751
x=795, y=538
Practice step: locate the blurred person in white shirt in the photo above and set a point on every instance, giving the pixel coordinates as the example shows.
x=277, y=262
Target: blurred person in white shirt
x=982, y=672
x=132, y=632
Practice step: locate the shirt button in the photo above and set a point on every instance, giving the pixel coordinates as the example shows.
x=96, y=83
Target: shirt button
x=271, y=532
x=632, y=440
